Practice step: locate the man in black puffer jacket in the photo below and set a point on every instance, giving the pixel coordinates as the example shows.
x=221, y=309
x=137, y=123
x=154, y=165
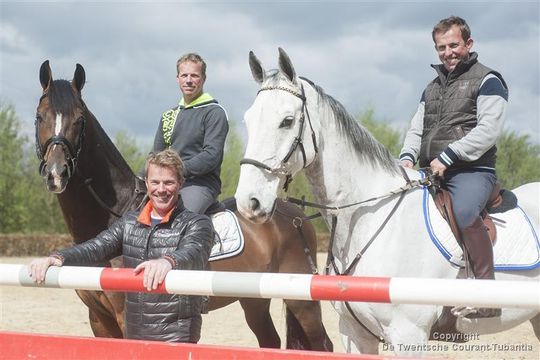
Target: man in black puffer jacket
x=161, y=237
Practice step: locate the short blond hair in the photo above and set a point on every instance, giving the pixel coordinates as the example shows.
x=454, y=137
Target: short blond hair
x=166, y=159
x=193, y=57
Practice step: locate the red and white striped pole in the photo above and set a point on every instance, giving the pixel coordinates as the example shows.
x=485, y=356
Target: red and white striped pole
x=51, y=347
x=450, y=292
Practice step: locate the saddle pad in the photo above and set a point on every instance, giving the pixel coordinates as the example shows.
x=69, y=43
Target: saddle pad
x=516, y=248
x=228, y=238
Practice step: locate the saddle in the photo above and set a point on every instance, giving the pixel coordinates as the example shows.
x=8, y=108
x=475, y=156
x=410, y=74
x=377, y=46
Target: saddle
x=499, y=201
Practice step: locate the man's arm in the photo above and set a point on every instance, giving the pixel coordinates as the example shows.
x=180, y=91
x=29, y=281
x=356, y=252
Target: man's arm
x=491, y=110
x=195, y=247
x=413, y=140
x=159, y=141
x=216, y=127
x=107, y=245
x=192, y=254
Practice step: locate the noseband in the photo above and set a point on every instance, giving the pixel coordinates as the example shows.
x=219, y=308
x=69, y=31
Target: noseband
x=284, y=168
x=71, y=152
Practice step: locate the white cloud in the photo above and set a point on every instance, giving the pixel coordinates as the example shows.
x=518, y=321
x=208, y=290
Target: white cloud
x=363, y=54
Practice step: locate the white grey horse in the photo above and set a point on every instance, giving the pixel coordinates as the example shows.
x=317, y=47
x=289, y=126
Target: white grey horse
x=292, y=126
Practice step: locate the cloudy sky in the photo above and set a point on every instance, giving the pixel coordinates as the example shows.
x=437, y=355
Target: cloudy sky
x=365, y=54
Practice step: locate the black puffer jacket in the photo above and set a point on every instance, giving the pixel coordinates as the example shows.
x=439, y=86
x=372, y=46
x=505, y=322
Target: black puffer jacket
x=186, y=237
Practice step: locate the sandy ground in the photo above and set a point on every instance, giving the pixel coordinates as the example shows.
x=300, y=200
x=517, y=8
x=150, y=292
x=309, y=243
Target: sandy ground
x=59, y=311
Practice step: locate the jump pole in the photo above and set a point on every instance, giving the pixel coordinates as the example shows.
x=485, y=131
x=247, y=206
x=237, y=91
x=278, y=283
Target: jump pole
x=395, y=290
x=16, y=345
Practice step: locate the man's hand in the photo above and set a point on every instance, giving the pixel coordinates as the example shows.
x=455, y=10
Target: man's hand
x=407, y=164
x=437, y=167
x=154, y=272
x=38, y=268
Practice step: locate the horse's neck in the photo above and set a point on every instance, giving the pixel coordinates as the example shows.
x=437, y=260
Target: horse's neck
x=339, y=175
x=101, y=161
x=100, y=169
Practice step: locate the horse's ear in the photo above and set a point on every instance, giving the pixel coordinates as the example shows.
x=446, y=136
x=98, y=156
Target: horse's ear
x=45, y=75
x=79, y=78
x=256, y=68
x=285, y=65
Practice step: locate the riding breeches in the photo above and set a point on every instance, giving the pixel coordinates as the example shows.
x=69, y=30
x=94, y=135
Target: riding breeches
x=470, y=190
x=197, y=198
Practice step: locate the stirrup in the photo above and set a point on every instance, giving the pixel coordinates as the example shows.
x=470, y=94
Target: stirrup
x=462, y=311
x=475, y=313
x=481, y=313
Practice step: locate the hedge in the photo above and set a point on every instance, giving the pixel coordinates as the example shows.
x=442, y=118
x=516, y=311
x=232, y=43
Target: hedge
x=44, y=244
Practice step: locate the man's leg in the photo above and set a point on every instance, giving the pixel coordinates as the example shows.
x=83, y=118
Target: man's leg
x=470, y=192
x=197, y=198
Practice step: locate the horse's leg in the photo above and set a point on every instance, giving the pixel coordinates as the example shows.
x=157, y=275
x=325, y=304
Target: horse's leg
x=535, y=321
x=305, y=329
x=356, y=339
x=102, y=314
x=406, y=336
x=257, y=313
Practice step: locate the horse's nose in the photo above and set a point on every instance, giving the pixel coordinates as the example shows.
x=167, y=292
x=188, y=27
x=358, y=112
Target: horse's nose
x=254, y=204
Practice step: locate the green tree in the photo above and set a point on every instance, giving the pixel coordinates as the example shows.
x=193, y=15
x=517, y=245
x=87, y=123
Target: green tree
x=518, y=160
x=12, y=191
x=230, y=168
x=42, y=210
x=382, y=131
x=132, y=151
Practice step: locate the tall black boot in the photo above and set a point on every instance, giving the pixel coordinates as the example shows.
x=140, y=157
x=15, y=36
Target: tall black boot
x=480, y=250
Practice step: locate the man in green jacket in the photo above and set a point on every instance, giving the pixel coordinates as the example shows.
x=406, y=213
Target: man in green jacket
x=196, y=129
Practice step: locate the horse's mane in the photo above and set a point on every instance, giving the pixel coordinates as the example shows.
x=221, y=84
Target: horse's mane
x=363, y=142
x=62, y=98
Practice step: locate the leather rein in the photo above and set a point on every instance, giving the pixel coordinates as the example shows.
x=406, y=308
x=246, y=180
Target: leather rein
x=284, y=169
x=72, y=155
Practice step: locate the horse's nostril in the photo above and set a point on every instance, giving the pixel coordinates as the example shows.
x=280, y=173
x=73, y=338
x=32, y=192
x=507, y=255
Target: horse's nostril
x=254, y=204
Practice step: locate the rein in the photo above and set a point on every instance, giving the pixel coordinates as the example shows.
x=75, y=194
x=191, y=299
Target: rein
x=284, y=169
x=72, y=156
x=127, y=206
x=330, y=260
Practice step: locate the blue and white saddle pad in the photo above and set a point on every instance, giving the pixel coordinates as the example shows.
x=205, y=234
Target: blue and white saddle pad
x=516, y=247
x=228, y=240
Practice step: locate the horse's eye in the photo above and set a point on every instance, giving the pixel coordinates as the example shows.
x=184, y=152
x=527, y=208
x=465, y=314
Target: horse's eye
x=287, y=122
x=79, y=121
x=39, y=119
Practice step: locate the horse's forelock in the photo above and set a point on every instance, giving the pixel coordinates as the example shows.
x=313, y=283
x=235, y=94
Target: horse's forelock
x=63, y=98
x=274, y=77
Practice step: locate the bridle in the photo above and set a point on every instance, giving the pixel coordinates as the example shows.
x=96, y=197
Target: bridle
x=284, y=168
x=71, y=152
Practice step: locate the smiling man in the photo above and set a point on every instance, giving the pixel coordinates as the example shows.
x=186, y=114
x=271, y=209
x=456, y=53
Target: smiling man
x=196, y=129
x=454, y=131
x=162, y=236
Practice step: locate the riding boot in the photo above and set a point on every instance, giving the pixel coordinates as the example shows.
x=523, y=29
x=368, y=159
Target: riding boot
x=480, y=250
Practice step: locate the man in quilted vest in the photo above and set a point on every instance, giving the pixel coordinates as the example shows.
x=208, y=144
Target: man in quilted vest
x=454, y=131
x=196, y=129
x=160, y=237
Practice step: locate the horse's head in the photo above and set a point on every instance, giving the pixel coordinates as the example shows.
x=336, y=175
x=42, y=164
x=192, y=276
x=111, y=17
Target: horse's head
x=60, y=121
x=281, y=138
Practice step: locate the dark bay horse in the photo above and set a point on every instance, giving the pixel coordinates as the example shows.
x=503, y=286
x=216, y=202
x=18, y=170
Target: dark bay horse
x=94, y=185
